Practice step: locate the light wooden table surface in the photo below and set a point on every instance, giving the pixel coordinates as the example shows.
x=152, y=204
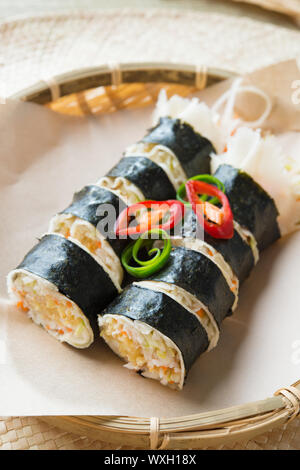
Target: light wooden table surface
x=9, y=8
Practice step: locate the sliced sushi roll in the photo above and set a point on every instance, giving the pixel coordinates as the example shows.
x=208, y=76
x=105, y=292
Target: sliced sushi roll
x=262, y=186
x=181, y=139
x=149, y=177
x=236, y=256
x=217, y=258
x=62, y=288
x=191, y=149
x=151, y=172
x=82, y=220
x=198, y=275
x=202, y=276
x=251, y=205
x=85, y=221
x=196, y=298
x=196, y=114
x=163, y=157
x=123, y=188
x=154, y=334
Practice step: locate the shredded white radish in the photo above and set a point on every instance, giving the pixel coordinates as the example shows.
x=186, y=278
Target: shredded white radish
x=229, y=122
x=278, y=173
x=261, y=157
x=191, y=111
x=218, y=122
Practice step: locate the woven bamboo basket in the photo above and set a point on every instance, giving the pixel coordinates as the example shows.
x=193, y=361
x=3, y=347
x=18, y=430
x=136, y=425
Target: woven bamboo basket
x=107, y=89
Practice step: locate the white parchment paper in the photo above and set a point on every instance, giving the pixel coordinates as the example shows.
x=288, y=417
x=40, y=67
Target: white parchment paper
x=45, y=158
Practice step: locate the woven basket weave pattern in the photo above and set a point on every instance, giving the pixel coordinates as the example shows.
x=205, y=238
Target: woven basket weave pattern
x=30, y=433
x=46, y=46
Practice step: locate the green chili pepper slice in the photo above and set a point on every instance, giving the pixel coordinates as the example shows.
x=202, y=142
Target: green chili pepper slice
x=155, y=263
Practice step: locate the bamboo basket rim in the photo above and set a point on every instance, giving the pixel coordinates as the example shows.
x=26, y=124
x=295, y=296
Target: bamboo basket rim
x=77, y=80
x=236, y=423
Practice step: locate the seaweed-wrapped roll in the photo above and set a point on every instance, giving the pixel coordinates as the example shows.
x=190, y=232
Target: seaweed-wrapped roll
x=147, y=171
x=183, y=136
x=202, y=276
x=84, y=221
x=149, y=177
x=75, y=270
x=251, y=205
x=196, y=299
x=236, y=257
x=62, y=287
x=139, y=326
x=191, y=149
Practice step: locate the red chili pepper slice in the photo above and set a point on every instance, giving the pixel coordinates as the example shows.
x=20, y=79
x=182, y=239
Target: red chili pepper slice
x=217, y=222
x=150, y=219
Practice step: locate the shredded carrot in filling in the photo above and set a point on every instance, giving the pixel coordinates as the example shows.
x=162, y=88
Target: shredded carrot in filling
x=201, y=313
x=133, y=353
x=55, y=305
x=92, y=245
x=60, y=331
x=22, y=306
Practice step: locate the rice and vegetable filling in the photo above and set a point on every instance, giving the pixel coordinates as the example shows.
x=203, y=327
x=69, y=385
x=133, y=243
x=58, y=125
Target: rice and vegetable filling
x=146, y=349
x=143, y=348
x=154, y=333
x=57, y=285
x=47, y=307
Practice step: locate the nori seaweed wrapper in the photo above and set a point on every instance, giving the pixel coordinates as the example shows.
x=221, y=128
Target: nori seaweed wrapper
x=147, y=176
x=86, y=204
x=198, y=275
x=165, y=315
x=75, y=273
x=192, y=150
x=252, y=207
x=236, y=252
